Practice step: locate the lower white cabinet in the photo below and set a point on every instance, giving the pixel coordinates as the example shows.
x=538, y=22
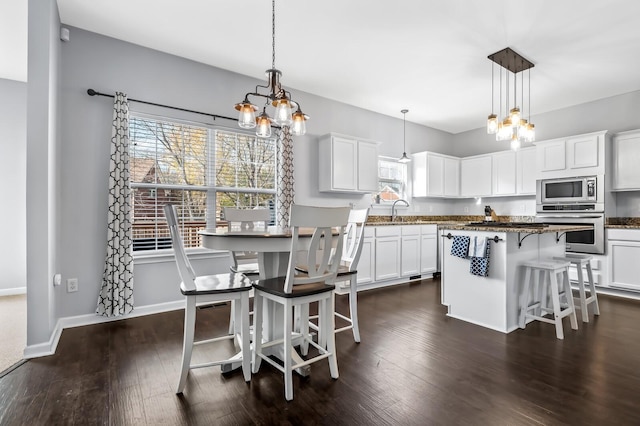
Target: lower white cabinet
x=623, y=249
x=394, y=253
x=387, y=253
x=428, y=249
x=410, y=250
x=367, y=260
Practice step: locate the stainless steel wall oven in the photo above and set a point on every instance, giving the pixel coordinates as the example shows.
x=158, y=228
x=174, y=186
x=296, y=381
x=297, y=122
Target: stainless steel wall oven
x=574, y=201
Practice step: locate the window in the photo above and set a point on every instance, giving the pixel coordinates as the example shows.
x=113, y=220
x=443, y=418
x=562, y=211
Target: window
x=392, y=180
x=200, y=170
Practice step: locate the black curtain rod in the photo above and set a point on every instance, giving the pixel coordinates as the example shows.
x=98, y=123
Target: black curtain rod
x=92, y=92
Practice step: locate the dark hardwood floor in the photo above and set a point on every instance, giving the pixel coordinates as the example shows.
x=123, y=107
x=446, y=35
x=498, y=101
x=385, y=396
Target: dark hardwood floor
x=415, y=366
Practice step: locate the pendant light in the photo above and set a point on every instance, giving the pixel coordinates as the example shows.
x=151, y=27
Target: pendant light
x=276, y=97
x=404, y=158
x=513, y=127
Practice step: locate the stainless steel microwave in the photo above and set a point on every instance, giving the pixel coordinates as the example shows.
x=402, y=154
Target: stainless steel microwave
x=583, y=190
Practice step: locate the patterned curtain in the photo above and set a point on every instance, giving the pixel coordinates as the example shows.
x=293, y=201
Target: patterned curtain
x=285, y=177
x=116, y=294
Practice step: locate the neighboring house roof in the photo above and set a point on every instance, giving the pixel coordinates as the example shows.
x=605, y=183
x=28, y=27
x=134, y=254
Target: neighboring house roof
x=142, y=170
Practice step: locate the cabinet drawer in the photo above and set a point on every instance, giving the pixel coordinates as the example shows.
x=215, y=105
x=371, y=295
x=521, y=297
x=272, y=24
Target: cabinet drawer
x=410, y=230
x=429, y=229
x=623, y=234
x=387, y=231
x=369, y=231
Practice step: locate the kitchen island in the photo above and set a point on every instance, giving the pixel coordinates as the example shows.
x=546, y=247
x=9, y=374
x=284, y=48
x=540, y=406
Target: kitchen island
x=492, y=301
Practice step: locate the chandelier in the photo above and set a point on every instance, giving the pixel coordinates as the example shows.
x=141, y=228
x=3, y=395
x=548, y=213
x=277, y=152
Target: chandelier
x=276, y=97
x=513, y=127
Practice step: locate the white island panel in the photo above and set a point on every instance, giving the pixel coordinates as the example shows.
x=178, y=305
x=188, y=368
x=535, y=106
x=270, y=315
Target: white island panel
x=492, y=301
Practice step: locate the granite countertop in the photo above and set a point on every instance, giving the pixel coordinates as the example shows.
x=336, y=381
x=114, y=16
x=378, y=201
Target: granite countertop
x=612, y=222
x=532, y=230
x=623, y=223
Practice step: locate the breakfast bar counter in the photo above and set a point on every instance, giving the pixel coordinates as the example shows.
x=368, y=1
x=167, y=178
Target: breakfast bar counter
x=483, y=287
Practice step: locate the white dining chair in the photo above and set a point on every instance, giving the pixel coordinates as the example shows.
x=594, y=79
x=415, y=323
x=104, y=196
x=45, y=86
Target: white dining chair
x=348, y=270
x=246, y=220
x=299, y=289
x=206, y=290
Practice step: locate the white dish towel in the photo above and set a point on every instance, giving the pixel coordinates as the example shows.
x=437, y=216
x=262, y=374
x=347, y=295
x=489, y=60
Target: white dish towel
x=478, y=247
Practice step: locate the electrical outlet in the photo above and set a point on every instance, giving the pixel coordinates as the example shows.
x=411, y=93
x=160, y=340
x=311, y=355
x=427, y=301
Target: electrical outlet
x=466, y=209
x=72, y=285
x=430, y=209
x=57, y=279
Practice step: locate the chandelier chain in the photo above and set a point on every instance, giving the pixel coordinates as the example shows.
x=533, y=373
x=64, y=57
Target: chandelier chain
x=273, y=34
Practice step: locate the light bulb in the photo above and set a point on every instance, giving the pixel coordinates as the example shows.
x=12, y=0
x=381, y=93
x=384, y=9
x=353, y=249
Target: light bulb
x=492, y=124
x=514, y=115
x=283, y=112
x=246, y=115
x=264, y=126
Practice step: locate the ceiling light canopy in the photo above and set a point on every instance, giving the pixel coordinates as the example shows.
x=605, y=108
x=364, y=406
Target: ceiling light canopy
x=404, y=158
x=513, y=127
x=277, y=97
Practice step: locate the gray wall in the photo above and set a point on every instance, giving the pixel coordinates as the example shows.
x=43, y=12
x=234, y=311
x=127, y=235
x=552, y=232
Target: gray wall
x=42, y=184
x=107, y=65
x=615, y=114
x=67, y=192
x=13, y=163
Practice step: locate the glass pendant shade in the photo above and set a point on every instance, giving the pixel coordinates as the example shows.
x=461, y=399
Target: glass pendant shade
x=282, y=115
x=299, y=127
x=515, y=143
x=531, y=132
x=264, y=126
x=246, y=115
x=492, y=124
x=514, y=115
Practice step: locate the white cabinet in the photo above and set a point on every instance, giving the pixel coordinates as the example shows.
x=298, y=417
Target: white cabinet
x=387, y=253
x=503, y=173
x=451, y=177
x=526, y=171
x=626, y=159
x=410, y=250
x=367, y=259
x=623, y=248
x=551, y=156
x=428, y=249
x=582, y=155
x=347, y=164
x=475, y=176
x=367, y=166
x=435, y=175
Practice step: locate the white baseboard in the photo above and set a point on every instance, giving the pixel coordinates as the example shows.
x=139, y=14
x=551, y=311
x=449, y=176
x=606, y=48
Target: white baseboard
x=13, y=291
x=49, y=348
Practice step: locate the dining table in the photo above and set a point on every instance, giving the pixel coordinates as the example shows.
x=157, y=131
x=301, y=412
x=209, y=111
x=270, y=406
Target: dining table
x=273, y=246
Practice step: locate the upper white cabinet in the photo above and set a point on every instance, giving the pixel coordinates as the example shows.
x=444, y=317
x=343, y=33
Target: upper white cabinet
x=347, y=164
x=626, y=158
x=504, y=173
x=476, y=176
x=582, y=155
x=526, y=171
x=435, y=175
x=451, y=177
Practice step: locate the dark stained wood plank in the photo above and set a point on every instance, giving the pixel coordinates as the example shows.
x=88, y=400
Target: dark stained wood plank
x=414, y=366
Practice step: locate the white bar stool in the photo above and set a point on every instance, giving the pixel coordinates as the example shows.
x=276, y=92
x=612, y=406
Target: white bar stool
x=581, y=261
x=546, y=272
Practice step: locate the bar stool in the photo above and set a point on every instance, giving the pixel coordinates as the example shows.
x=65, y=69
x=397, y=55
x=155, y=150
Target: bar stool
x=547, y=272
x=581, y=261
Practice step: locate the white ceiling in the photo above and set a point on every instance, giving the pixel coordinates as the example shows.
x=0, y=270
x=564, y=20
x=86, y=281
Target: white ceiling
x=425, y=55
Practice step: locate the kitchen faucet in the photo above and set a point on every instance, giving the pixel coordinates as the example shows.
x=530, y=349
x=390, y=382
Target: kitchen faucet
x=393, y=208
